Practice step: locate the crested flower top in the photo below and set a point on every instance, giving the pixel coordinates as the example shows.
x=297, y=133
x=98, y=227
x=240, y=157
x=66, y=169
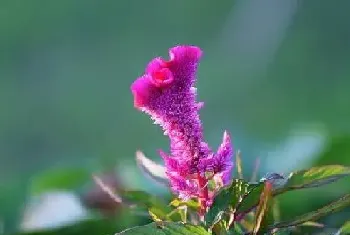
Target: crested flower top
x=167, y=93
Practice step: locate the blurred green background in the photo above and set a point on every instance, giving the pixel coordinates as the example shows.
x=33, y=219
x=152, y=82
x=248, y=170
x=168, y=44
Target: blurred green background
x=275, y=74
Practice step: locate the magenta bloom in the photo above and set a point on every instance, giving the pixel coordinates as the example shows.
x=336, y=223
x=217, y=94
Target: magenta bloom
x=166, y=92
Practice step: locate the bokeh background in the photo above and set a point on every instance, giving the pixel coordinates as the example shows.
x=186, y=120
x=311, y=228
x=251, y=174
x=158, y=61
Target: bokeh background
x=275, y=74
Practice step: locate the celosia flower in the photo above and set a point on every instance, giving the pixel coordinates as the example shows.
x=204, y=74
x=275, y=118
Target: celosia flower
x=166, y=92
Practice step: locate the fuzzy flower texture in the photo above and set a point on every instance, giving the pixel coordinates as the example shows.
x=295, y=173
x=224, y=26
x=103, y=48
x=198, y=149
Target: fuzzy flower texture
x=167, y=93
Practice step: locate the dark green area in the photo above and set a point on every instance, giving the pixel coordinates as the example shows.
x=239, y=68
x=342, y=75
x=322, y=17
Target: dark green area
x=90, y=227
x=166, y=228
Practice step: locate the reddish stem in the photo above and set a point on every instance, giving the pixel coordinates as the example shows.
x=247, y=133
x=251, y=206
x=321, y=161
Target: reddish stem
x=203, y=194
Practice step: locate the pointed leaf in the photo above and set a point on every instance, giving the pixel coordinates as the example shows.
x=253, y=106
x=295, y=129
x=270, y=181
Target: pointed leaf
x=345, y=229
x=312, y=224
x=314, y=177
x=151, y=169
x=335, y=206
x=166, y=228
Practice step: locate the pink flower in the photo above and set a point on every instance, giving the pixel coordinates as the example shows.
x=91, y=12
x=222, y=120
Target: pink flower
x=167, y=93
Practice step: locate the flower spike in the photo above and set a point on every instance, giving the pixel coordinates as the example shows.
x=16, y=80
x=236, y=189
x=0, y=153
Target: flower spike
x=167, y=93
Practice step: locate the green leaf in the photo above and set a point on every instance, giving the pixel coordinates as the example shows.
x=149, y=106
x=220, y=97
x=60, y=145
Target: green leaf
x=336, y=151
x=314, y=177
x=251, y=198
x=345, y=229
x=335, y=206
x=240, y=197
x=60, y=179
x=227, y=197
x=166, y=228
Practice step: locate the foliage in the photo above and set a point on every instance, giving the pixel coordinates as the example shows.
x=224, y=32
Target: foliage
x=335, y=206
x=243, y=207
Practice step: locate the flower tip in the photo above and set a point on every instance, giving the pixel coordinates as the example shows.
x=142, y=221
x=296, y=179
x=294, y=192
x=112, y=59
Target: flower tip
x=225, y=149
x=189, y=52
x=226, y=137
